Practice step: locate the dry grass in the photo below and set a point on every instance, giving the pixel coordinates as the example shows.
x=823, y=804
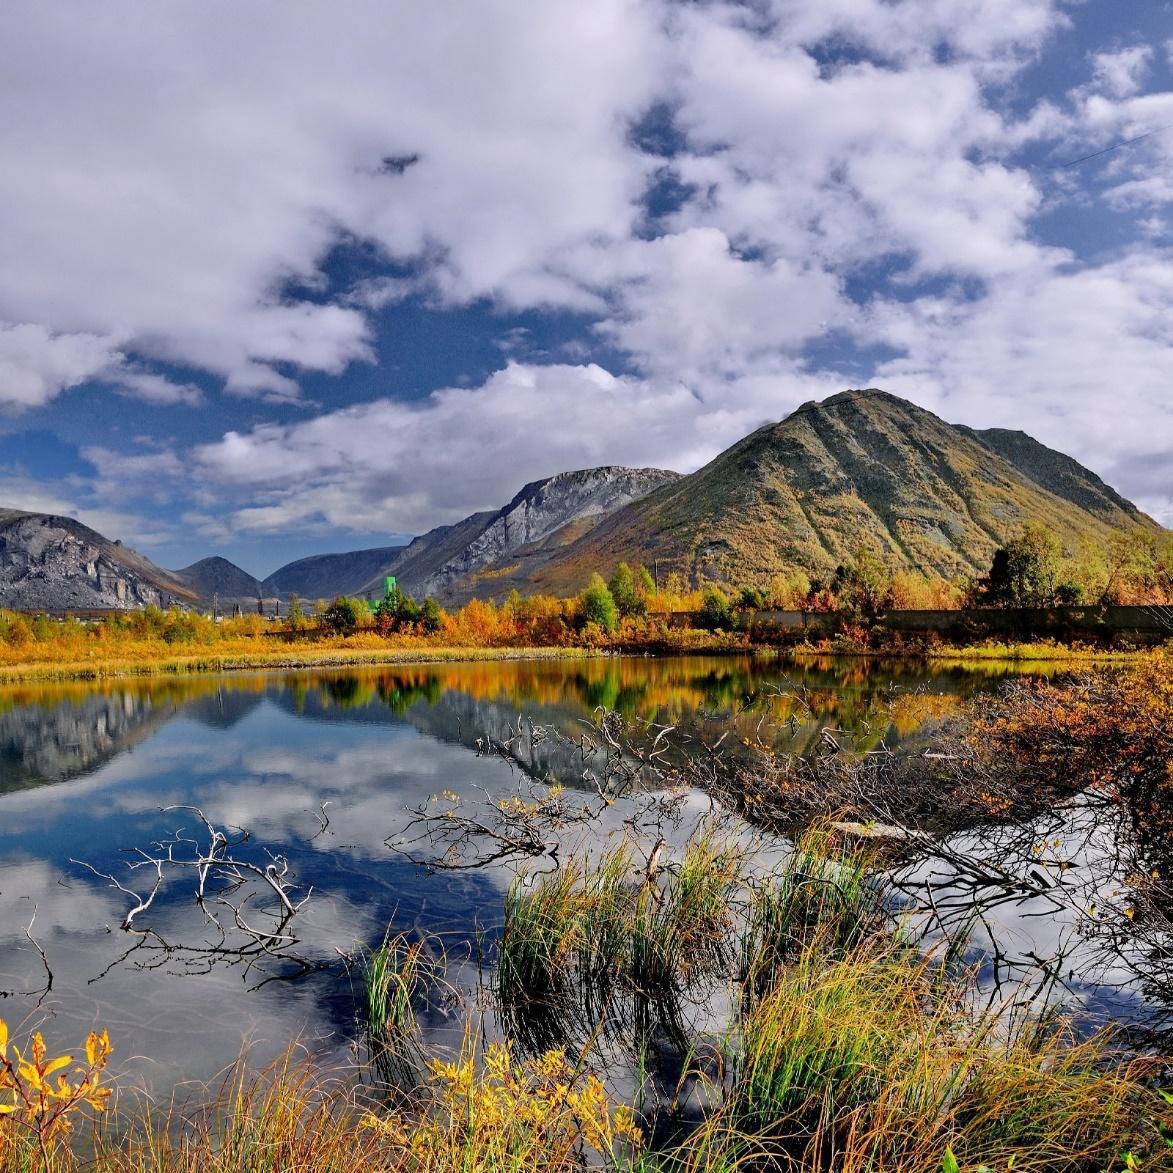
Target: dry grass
x=151, y=660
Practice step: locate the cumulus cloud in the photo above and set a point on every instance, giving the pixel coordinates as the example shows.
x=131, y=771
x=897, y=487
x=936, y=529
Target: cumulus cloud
x=388, y=464
x=36, y=364
x=177, y=175
x=1121, y=72
x=875, y=171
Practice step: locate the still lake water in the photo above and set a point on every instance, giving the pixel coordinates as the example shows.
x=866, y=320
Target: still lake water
x=322, y=769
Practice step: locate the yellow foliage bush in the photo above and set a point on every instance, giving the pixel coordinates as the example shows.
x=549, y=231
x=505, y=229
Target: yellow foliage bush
x=40, y=1096
x=539, y=1115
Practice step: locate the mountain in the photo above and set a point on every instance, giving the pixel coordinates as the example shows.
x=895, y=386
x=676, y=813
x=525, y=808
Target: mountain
x=490, y=553
x=1056, y=473
x=322, y=576
x=50, y=563
x=862, y=470
x=216, y=577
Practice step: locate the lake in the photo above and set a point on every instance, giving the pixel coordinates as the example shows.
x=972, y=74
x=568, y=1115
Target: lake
x=313, y=777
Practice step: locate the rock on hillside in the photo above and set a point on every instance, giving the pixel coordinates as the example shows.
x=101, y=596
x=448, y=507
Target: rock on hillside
x=50, y=563
x=863, y=470
x=323, y=576
x=216, y=577
x=450, y=563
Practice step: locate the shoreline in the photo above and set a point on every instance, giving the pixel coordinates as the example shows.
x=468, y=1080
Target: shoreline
x=114, y=668
x=211, y=663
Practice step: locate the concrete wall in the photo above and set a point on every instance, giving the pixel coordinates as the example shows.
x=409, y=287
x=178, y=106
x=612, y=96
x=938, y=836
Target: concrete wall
x=1014, y=622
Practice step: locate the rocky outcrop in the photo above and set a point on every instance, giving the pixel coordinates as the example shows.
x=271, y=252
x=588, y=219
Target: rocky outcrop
x=449, y=563
x=50, y=563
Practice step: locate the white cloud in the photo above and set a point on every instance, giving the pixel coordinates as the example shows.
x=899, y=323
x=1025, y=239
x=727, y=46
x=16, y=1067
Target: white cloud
x=170, y=170
x=181, y=174
x=690, y=307
x=36, y=364
x=387, y=465
x=1121, y=72
x=913, y=30
x=154, y=388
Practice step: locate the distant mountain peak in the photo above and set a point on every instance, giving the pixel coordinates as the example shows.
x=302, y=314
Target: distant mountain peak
x=519, y=538
x=216, y=577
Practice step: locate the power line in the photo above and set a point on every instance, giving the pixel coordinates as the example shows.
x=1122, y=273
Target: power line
x=1114, y=147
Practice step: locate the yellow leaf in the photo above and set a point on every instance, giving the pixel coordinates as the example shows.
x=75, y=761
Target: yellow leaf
x=56, y=1065
x=98, y=1048
x=3, y=1039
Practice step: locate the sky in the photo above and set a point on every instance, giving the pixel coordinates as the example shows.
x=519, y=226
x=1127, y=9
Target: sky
x=285, y=277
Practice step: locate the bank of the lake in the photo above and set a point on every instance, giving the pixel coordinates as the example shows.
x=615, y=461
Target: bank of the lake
x=46, y=661
x=165, y=662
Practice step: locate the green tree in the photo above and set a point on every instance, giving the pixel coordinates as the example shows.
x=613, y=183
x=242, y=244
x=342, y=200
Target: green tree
x=716, y=613
x=647, y=584
x=396, y=612
x=623, y=591
x=1025, y=572
x=342, y=615
x=597, y=605
x=430, y=617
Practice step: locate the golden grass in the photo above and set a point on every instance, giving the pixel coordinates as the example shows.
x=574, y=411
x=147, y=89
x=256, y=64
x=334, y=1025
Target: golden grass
x=163, y=660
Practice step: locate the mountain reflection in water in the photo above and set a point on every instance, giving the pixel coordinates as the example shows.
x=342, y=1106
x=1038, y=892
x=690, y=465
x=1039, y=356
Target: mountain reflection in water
x=323, y=768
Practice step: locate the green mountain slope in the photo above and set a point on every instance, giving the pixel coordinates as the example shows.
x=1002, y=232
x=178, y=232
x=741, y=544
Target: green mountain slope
x=863, y=470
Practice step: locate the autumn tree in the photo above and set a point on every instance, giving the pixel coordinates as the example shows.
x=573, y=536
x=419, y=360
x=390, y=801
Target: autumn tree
x=864, y=585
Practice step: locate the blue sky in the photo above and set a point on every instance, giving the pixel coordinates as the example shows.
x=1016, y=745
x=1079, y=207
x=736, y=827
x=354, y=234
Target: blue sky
x=290, y=277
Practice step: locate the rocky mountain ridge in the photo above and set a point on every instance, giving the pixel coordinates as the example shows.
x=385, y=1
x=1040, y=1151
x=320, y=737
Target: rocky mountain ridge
x=51, y=563
x=862, y=470
x=512, y=543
